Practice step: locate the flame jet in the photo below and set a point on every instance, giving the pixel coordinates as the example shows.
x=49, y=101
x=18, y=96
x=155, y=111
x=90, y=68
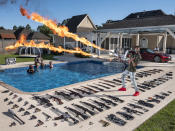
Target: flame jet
x=22, y=42
x=60, y=31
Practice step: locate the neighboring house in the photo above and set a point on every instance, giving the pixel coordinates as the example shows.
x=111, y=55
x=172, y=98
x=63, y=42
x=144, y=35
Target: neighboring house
x=7, y=37
x=38, y=37
x=147, y=29
x=31, y=35
x=81, y=25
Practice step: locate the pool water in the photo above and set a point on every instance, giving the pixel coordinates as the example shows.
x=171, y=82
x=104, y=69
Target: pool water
x=60, y=75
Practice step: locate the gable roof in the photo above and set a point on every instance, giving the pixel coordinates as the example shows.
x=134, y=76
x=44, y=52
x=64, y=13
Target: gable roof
x=146, y=14
x=7, y=34
x=30, y=35
x=74, y=22
x=38, y=36
x=147, y=19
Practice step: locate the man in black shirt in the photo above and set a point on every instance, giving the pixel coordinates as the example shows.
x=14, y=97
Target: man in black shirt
x=131, y=69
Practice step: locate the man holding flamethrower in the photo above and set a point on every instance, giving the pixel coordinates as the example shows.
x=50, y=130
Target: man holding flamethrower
x=134, y=59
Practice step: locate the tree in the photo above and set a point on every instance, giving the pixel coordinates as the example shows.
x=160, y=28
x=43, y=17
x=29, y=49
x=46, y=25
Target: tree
x=65, y=21
x=1, y=27
x=109, y=21
x=21, y=27
x=28, y=27
x=45, y=30
x=15, y=27
x=98, y=26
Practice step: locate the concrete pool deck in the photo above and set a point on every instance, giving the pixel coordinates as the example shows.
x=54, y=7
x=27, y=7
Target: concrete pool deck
x=85, y=125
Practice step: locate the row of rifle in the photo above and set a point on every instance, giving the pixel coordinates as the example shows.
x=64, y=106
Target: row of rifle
x=85, y=110
x=148, y=73
x=24, y=110
x=80, y=92
x=117, y=82
x=147, y=85
x=139, y=107
x=102, y=85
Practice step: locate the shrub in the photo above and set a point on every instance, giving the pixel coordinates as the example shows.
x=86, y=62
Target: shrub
x=80, y=55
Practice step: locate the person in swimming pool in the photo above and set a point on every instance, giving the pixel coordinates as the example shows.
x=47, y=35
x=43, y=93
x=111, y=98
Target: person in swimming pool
x=42, y=65
x=50, y=65
x=31, y=69
x=36, y=66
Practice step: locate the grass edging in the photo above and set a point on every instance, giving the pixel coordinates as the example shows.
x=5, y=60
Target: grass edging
x=163, y=120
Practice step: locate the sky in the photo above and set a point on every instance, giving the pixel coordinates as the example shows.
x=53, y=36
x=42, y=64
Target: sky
x=98, y=10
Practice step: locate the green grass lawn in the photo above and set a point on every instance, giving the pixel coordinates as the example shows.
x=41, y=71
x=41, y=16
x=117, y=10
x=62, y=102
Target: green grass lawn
x=3, y=56
x=164, y=120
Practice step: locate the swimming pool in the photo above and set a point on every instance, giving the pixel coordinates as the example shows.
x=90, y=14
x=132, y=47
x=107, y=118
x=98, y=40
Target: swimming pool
x=60, y=75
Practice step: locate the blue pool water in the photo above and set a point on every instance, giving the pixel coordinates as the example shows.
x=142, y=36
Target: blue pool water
x=60, y=75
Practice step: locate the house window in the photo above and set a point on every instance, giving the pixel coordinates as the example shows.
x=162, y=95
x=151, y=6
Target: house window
x=126, y=43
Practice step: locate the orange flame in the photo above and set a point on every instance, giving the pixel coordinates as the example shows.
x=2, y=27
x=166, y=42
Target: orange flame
x=22, y=42
x=61, y=30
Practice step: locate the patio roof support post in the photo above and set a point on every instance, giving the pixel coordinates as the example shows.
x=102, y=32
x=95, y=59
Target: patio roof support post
x=109, y=43
x=76, y=44
x=96, y=37
x=104, y=44
x=157, y=41
x=53, y=38
x=30, y=50
x=138, y=40
x=64, y=43
x=113, y=43
x=118, y=41
x=91, y=41
x=164, y=42
x=3, y=45
x=121, y=37
x=98, y=43
x=34, y=50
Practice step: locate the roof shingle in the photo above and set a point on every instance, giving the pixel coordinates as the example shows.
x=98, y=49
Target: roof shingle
x=150, y=18
x=38, y=36
x=74, y=22
x=7, y=34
